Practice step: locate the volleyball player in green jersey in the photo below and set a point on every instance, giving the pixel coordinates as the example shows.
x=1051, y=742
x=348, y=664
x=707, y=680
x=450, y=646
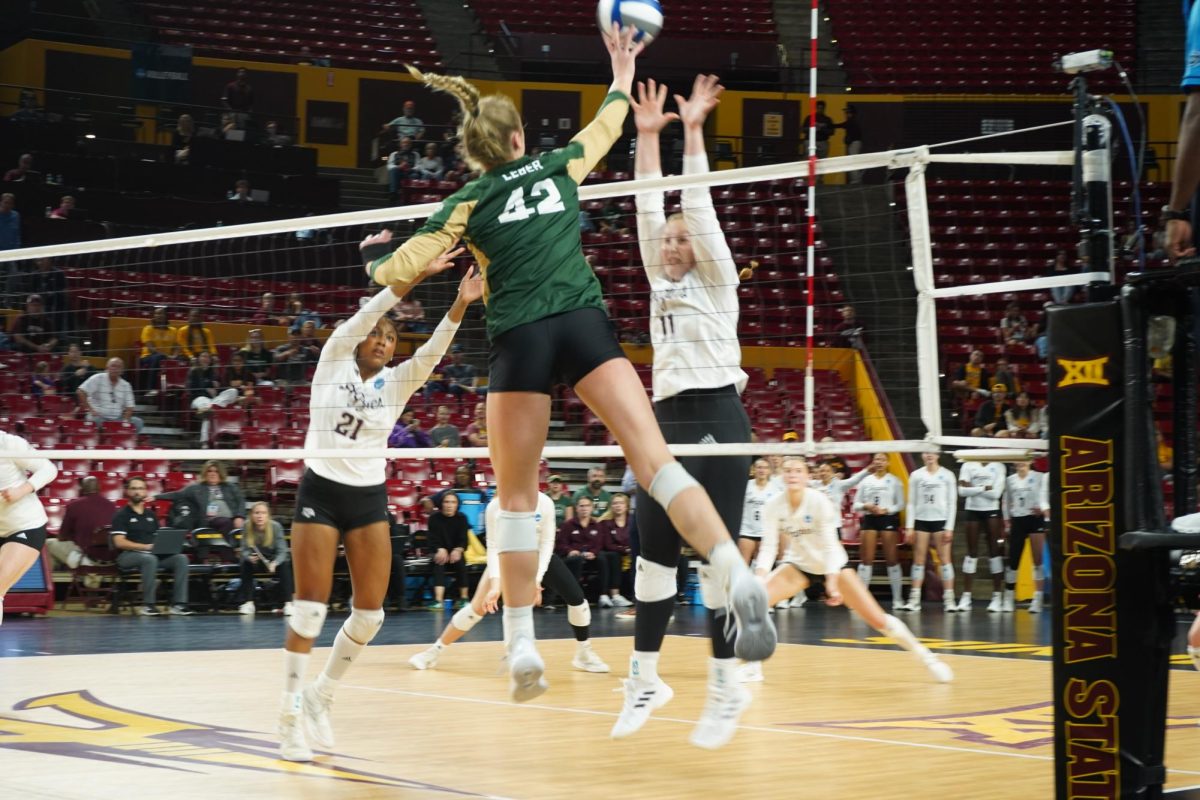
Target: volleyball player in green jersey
x=547, y=324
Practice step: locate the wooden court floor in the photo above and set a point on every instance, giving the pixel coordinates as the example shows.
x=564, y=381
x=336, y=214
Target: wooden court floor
x=853, y=722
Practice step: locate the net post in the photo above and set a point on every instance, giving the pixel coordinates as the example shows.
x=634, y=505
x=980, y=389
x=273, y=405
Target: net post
x=921, y=244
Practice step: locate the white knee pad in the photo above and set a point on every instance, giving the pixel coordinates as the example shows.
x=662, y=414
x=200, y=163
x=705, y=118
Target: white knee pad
x=947, y=573
x=865, y=571
x=996, y=564
x=969, y=565
x=308, y=616
x=918, y=573
x=362, y=625
x=1010, y=576
x=653, y=582
x=465, y=618
x=580, y=616
x=670, y=481
x=712, y=592
x=514, y=532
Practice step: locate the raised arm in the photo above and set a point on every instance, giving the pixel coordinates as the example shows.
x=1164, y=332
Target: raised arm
x=714, y=261
x=593, y=142
x=390, y=261
x=649, y=118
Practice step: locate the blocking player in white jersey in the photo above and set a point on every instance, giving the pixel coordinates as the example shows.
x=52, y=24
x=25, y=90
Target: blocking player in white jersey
x=759, y=490
x=1026, y=503
x=22, y=518
x=932, y=505
x=878, y=502
x=552, y=574
x=807, y=522
x=982, y=484
x=356, y=400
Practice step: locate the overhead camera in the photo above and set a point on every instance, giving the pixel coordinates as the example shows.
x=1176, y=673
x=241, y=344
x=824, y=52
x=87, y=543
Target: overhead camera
x=1086, y=61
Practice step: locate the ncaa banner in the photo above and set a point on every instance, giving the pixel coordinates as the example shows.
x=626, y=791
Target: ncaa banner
x=162, y=72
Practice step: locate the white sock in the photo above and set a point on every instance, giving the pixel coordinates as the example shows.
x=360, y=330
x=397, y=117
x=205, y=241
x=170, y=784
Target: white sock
x=898, y=632
x=517, y=620
x=295, y=665
x=722, y=673
x=345, y=651
x=895, y=575
x=724, y=559
x=865, y=571
x=643, y=666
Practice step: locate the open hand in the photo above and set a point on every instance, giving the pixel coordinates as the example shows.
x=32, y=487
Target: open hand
x=445, y=261
x=623, y=52
x=1179, y=240
x=706, y=94
x=14, y=493
x=491, y=601
x=470, y=288
x=648, y=114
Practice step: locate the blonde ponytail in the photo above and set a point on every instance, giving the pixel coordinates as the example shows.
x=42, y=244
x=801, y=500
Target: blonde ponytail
x=488, y=123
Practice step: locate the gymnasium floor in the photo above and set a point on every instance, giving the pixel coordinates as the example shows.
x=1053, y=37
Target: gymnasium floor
x=96, y=706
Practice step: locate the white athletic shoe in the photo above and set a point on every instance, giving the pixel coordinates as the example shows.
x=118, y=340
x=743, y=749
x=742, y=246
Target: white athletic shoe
x=799, y=600
x=995, y=605
x=74, y=559
x=292, y=744
x=722, y=710
x=641, y=697
x=606, y=601
x=756, y=637
x=525, y=668
x=948, y=601
x=938, y=669
x=426, y=659
x=316, y=717
x=1009, y=602
x=750, y=672
x=914, y=602
x=620, y=601
x=784, y=603
x=1035, y=605
x=964, y=602
x=898, y=604
x=586, y=659
x=246, y=607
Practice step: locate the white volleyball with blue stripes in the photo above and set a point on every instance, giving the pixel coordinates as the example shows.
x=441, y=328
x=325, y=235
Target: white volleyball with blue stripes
x=645, y=16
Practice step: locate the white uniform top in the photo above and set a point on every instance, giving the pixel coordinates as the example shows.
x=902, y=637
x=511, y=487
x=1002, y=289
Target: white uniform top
x=547, y=530
x=693, y=321
x=836, y=489
x=886, y=492
x=752, y=508
x=348, y=412
x=811, y=530
x=27, y=513
x=1022, y=495
x=981, y=475
x=106, y=398
x=931, y=497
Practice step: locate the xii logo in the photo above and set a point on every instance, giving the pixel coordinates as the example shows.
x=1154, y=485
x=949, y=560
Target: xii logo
x=1083, y=372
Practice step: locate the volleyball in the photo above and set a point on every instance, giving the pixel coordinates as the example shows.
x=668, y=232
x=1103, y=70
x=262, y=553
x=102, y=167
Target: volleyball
x=643, y=15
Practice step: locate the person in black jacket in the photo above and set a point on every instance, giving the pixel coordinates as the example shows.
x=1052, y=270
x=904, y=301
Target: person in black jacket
x=447, y=537
x=220, y=503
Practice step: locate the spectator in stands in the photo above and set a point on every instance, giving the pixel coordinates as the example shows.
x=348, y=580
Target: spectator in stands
x=564, y=508
x=10, y=222
x=204, y=391
x=41, y=381
x=1042, y=342
x=20, y=172
x=274, y=138
x=444, y=434
x=133, y=530
x=308, y=58
x=195, y=336
x=579, y=542
x=825, y=129
x=264, y=546
x=991, y=417
x=585, y=223
x=266, y=314
x=1014, y=328
x=259, y=359
x=595, y=492
x=407, y=124
x=33, y=330
x=430, y=166
x=218, y=501
x=854, y=141
x=293, y=358
x=297, y=314
x=1061, y=266
x=239, y=377
x=616, y=549
x=160, y=341
x=850, y=330
x=66, y=205
x=228, y=126
x=84, y=516
x=457, y=378
x=448, y=147
x=447, y=538
x=464, y=487
x=181, y=138
x=50, y=283
x=972, y=377
x=1024, y=419
x=400, y=164
x=408, y=433
x=308, y=337
x=477, y=435
x=1006, y=375
x=241, y=192
x=239, y=98
x=107, y=397
x=411, y=315
x=75, y=370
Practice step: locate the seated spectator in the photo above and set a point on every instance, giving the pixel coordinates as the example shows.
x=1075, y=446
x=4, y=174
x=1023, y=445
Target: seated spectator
x=84, y=516
x=457, y=377
x=293, y=358
x=264, y=546
x=1014, y=328
x=239, y=377
x=42, y=382
x=400, y=164
x=274, y=138
x=477, y=435
x=447, y=538
x=1024, y=419
x=23, y=169
x=850, y=330
x=471, y=499
x=107, y=397
x=1007, y=375
x=65, y=206
x=408, y=433
x=410, y=315
x=1061, y=266
x=297, y=314
x=215, y=501
x=75, y=370
x=204, y=391
x=564, y=507
x=195, y=336
x=579, y=542
x=616, y=551
x=991, y=417
x=10, y=222
x=259, y=359
x=429, y=166
x=181, y=138
x=595, y=492
x=265, y=314
x=444, y=434
x=160, y=341
x=33, y=330
x=407, y=125
x=308, y=337
x=241, y=192
x=133, y=530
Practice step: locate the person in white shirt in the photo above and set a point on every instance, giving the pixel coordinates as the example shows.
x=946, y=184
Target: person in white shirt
x=107, y=397
x=1026, y=503
x=759, y=490
x=356, y=400
x=22, y=518
x=697, y=385
x=878, y=502
x=835, y=489
x=931, y=508
x=982, y=484
x=552, y=574
x=809, y=521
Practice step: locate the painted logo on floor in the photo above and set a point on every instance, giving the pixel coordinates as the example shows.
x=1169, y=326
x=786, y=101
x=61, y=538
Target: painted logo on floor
x=95, y=730
x=1018, y=728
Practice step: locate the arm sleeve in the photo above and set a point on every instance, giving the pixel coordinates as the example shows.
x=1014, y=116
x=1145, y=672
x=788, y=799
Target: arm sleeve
x=714, y=261
x=1043, y=492
x=834, y=554
x=147, y=335
x=41, y=471
x=412, y=374
x=281, y=546
x=853, y=480
x=651, y=220
x=408, y=262
x=911, y=509
x=434, y=535
x=858, y=504
x=897, y=501
x=952, y=505
x=967, y=491
x=598, y=137
x=998, y=482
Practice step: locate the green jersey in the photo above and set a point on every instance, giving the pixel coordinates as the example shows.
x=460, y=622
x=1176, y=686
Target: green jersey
x=521, y=221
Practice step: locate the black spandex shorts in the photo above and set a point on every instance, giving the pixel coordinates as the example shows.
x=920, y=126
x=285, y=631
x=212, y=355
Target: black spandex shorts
x=879, y=522
x=33, y=537
x=1034, y=523
x=325, y=502
x=563, y=348
x=981, y=516
x=929, y=525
